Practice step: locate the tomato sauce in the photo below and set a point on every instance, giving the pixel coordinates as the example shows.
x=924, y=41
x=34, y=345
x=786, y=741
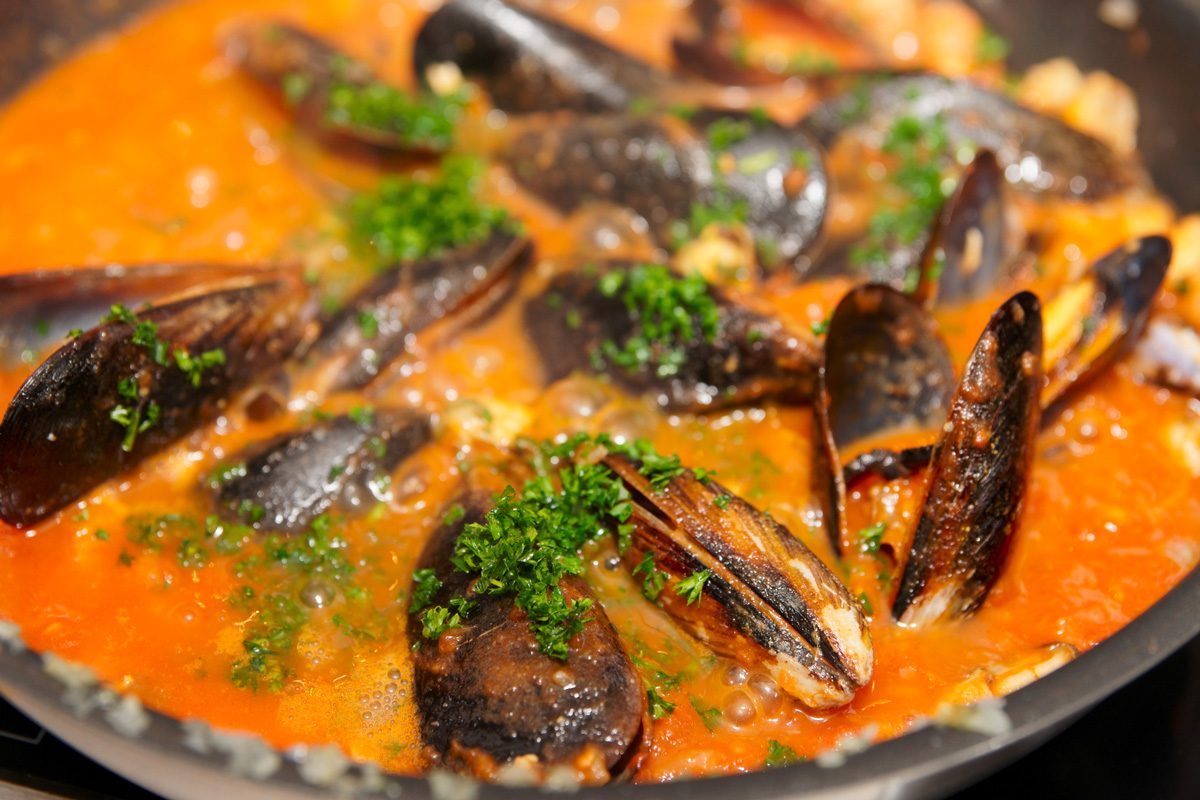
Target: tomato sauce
x=138, y=150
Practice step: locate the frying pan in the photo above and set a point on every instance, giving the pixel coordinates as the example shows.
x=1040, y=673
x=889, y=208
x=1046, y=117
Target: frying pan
x=187, y=760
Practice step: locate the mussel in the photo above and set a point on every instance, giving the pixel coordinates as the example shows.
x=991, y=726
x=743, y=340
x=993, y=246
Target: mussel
x=330, y=92
x=407, y=298
x=1038, y=154
x=885, y=370
x=701, y=350
x=337, y=463
x=494, y=706
x=766, y=600
x=528, y=62
x=677, y=172
x=129, y=387
x=979, y=471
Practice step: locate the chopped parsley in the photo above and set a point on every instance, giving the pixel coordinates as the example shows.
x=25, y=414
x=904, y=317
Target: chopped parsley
x=407, y=218
x=426, y=120
x=721, y=501
x=991, y=47
x=531, y=540
x=920, y=148
x=426, y=584
x=725, y=132
x=269, y=637
x=711, y=717
x=779, y=755
x=669, y=313
x=865, y=602
x=692, y=587
x=871, y=537
x=137, y=414
x=654, y=578
x=659, y=707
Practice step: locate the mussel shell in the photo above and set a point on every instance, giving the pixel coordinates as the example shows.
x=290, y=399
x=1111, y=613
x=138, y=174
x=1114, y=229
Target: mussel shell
x=486, y=695
x=966, y=258
x=663, y=166
x=769, y=603
x=42, y=306
x=979, y=472
x=58, y=439
x=752, y=355
x=407, y=298
x=302, y=70
x=291, y=480
x=1125, y=283
x=1038, y=153
x=528, y=62
x=885, y=369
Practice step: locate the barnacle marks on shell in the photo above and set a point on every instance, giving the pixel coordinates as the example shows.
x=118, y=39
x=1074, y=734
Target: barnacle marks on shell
x=286, y=483
x=768, y=602
x=490, y=701
x=979, y=471
x=1037, y=153
x=885, y=370
x=59, y=437
x=751, y=355
x=528, y=62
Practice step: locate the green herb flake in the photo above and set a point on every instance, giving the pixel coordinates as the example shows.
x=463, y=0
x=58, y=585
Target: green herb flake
x=711, y=717
x=659, y=707
x=425, y=120
x=870, y=537
x=991, y=48
x=407, y=218
x=670, y=312
x=779, y=755
x=865, y=602
x=721, y=501
x=725, y=132
x=692, y=587
x=426, y=585
x=654, y=579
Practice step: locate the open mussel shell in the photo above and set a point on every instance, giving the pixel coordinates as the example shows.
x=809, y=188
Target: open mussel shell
x=751, y=356
x=304, y=71
x=528, y=62
x=42, y=306
x=407, y=298
x=885, y=370
x=979, y=472
x=664, y=167
x=489, y=700
x=967, y=257
x=59, y=438
x=334, y=464
x=1037, y=153
x=1093, y=321
x=769, y=602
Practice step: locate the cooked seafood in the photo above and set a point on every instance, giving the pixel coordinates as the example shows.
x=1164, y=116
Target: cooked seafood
x=587, y=422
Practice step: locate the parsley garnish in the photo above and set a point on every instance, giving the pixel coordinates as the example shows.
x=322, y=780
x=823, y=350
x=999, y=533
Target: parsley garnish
x=407, y=218
x=531, y=540
x=779, y=755
x=670, y=312
x=426, y=584
x=659, y=707
x=865, y=602
x=920, y=147
x=425, y=121
x=991, y=47
x=691, y=587
x=137, y=417
x=721, y=501
x=711, y=717
x=871, y=536
x=725, y=132
x=655, y=579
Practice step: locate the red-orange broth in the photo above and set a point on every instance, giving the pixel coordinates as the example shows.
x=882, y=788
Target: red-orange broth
x=149, y=146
